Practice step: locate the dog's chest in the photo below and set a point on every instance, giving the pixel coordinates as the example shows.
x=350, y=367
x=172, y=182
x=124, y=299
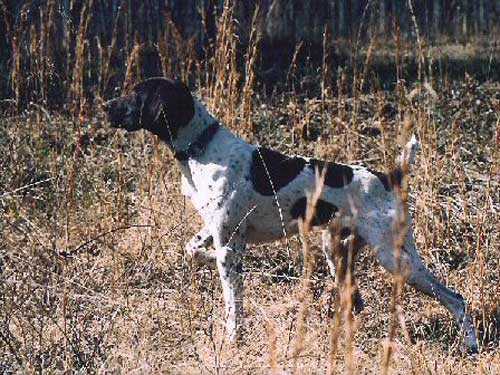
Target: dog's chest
x=210, y=180
x=204, y=185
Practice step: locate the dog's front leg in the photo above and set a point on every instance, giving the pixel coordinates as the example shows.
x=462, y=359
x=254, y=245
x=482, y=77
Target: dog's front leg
x=197, y=246
x=229, y=254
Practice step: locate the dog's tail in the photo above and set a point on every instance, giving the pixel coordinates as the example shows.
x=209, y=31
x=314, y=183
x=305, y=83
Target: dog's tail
x=407, y=157
x=404, y=162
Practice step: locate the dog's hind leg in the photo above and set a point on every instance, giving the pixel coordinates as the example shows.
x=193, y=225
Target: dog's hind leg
x=420, y=278
x=340, y=258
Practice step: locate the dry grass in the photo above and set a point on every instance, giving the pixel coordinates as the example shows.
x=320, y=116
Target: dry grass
x=93, y=275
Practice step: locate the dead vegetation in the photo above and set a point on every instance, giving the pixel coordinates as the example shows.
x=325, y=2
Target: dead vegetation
x=93, y=274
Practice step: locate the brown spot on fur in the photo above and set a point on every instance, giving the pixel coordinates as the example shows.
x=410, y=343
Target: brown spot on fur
x=281, y=168
x=337, y=175
x=393, y=178
x=322, y=214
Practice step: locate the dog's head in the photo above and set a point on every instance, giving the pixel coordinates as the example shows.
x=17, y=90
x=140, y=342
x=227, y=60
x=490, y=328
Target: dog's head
x=159, y=105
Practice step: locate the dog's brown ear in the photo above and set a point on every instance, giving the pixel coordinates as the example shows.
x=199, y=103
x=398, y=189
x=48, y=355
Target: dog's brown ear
x=179, y=103
x=163, y=100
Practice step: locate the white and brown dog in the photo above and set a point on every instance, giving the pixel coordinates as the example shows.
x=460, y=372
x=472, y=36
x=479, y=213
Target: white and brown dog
x=248, y=194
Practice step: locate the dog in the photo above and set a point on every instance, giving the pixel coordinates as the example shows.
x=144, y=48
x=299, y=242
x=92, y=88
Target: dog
x=248, y=194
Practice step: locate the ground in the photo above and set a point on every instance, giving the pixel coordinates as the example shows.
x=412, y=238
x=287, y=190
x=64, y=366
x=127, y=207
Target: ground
x=94, y=277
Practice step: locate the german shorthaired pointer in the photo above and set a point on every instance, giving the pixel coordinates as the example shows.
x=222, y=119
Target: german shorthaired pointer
x=249, y=194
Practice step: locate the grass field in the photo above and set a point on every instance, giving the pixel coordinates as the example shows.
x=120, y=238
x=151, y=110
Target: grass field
x=93, y=273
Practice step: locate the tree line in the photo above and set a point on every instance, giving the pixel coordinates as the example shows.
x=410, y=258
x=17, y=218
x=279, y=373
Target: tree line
x=52, y=45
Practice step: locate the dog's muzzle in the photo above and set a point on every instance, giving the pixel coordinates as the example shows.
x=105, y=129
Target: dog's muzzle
x=121, y=114
x=116, y=112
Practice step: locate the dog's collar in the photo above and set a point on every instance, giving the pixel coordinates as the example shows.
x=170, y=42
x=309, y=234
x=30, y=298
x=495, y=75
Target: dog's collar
x=197, y=147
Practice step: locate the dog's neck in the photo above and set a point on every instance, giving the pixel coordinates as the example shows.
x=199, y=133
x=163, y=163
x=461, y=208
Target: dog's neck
x=186, y=135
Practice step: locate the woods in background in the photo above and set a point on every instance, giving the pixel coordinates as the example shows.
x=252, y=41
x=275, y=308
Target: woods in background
x=53, y=50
